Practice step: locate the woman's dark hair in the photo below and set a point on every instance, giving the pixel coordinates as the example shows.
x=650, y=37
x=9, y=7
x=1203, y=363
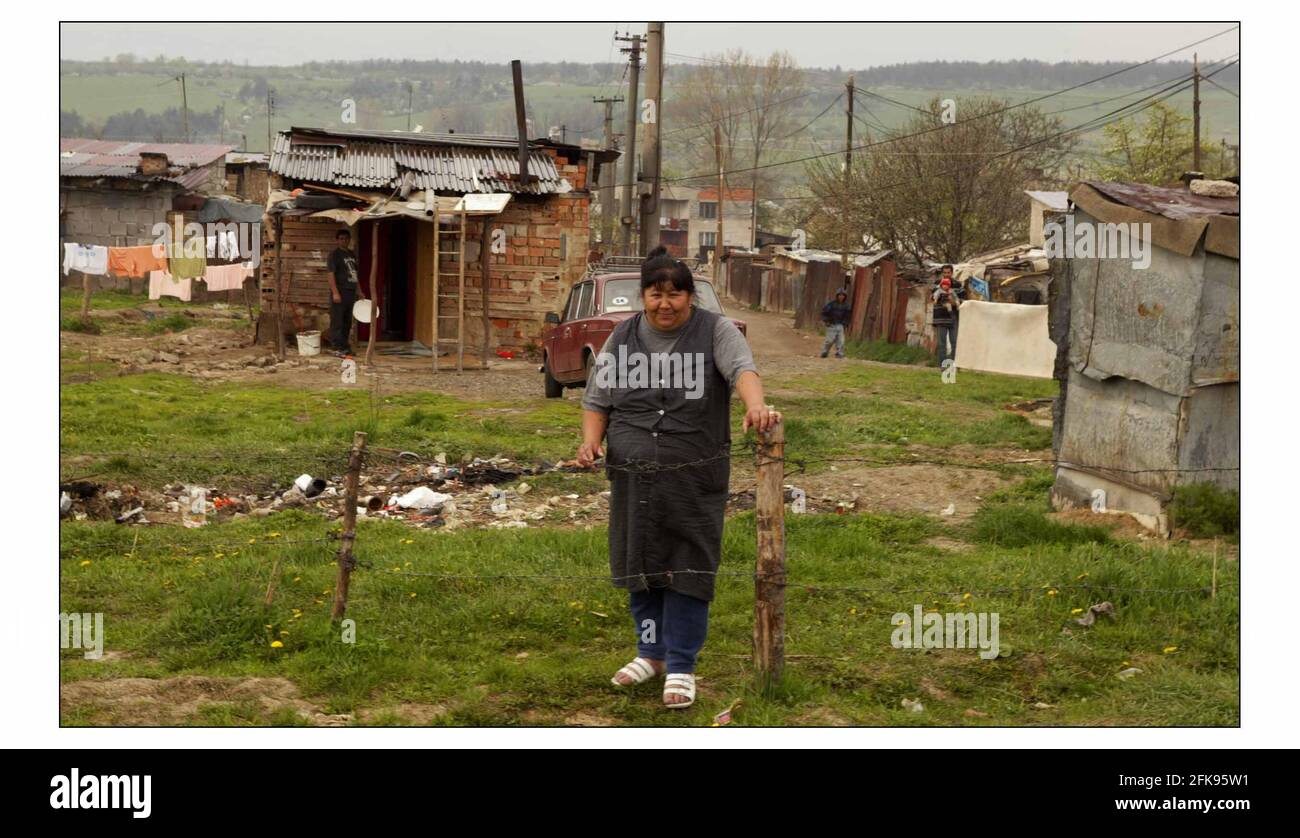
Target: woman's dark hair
x=661, y=269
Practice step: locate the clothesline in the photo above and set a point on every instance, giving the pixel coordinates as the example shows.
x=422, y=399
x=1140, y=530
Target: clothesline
x=171, y=270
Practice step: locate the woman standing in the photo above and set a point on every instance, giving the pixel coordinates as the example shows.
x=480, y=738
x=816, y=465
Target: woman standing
x=669, y=437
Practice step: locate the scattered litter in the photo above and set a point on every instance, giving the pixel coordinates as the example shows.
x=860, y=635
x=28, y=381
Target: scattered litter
x=126, y=517
x=1125, y=674
x=725, y=717
x=1042, y=705
x=1094, y=611
x=914, y=705
x=194, y=510
x=949, y=510
x=422, y=498
x=65, y=504
x=310, y=486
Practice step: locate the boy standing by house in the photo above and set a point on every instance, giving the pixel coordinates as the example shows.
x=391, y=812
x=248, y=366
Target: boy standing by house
x=343, y=292
x=836, y=314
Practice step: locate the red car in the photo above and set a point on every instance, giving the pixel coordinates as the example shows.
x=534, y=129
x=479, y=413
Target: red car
x=596, y=305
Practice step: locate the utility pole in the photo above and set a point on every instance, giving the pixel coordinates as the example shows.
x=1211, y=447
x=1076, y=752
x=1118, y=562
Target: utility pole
x=410, y=95
x=654, y=85
x=607, y=175
x=848, y=134
x=185, y=108
x=270, y=109
x=1196, y=113
x=629, y=163
x=848, y=173
x=722, y=203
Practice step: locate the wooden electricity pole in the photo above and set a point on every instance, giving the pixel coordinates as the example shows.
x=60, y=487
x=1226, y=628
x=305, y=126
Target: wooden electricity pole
x=722, y=200
x=1196, y=113
x=769, y=572
x=185, y=110
x=629, y=161
x=654, y=82
x=607, y=175
x=848, y=133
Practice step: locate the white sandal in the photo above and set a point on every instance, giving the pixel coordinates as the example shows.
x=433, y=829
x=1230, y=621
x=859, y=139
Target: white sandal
x=639, y=670
x=679, y=684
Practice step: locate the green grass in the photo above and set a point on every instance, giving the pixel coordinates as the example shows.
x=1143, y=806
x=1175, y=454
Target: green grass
x=76, y=324
x=881, y=411
x=159, y=428
x=513, y=651
x=889, y=353
x=538, y=651
x=1204, y=510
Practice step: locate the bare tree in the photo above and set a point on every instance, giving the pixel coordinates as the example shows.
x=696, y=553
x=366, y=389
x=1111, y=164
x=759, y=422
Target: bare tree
x=753, y=104
x=940, y=191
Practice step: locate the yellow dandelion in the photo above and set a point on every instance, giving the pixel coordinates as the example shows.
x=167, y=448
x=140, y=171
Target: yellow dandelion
x=1082, y=576
x=1169, y=650
x=85, y=562
x=853, y=610
x=408, y=541
x=284, y=633
x=965, y=596
x=412, y=594
x=276, y=644
x=1052, y=592
x=268, y=625
x=1076, y=610
x=297, y=578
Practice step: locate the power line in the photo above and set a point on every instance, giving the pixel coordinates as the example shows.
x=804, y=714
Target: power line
x=1102, y=121
x=1030, y=101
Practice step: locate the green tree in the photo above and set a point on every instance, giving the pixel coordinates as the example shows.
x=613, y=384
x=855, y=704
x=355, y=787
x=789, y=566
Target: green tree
x=1158, y=150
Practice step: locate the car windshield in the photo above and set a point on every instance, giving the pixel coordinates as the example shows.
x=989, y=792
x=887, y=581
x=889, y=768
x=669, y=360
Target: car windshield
x=625, y=295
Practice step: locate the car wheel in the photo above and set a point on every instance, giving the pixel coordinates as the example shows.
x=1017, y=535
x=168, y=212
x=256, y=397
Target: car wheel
x=588, y=364
x=554, y=389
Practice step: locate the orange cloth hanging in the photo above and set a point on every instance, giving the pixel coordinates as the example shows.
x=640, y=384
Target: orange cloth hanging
x=134, y=262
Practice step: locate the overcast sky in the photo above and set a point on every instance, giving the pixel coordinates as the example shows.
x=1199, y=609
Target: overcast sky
x=850, y=46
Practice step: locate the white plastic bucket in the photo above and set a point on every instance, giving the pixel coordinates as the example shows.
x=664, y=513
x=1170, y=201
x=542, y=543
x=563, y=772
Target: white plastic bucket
x=309, y=343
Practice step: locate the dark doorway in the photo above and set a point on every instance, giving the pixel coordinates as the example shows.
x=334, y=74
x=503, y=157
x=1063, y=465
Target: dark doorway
x=395, y=276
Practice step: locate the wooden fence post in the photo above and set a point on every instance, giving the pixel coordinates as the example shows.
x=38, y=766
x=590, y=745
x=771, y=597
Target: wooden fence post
x=769, y=578
x=346, y=561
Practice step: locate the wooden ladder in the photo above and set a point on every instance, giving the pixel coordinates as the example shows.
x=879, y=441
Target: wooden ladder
x=449, y=284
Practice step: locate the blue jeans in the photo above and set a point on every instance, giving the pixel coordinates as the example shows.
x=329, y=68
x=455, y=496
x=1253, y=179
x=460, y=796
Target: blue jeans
x=834, y=337
x=669, y=626
x=942, y=333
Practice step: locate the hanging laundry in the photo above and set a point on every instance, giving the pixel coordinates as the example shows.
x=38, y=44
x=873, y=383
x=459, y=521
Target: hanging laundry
x=164, y=284
x=88, y=258
x=223, y=246
x=135, y=261
x=182, y=266
x=226, y=277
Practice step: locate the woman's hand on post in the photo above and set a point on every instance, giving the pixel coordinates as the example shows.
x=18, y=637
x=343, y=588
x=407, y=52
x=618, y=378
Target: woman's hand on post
x=589, y=452
x=761, y=418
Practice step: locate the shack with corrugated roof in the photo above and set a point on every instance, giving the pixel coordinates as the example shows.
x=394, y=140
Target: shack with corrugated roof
x=1148, y=349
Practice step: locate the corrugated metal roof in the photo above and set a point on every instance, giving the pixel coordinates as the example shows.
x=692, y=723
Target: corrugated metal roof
x=1177, y=203
x=119, y=159
x=442, y=162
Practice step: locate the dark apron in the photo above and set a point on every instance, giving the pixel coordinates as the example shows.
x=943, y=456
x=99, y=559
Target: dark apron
x=665, y=523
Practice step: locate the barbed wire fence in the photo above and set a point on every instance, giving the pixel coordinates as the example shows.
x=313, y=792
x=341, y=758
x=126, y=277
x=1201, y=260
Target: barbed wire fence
x=769, y=576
